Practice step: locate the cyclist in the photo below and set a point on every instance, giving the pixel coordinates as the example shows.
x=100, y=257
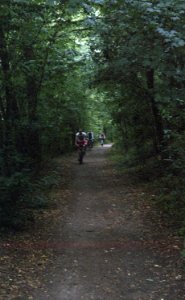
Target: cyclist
x=80, y=138
x=81, y=144
x=102, y=138
x=90, y=136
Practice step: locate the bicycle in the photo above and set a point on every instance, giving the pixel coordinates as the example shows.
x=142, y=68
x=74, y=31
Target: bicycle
x=90, y=144
x=81, y=153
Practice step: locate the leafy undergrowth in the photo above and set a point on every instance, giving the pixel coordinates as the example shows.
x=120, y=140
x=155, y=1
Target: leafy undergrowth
x=167, y=190
x=26, y=253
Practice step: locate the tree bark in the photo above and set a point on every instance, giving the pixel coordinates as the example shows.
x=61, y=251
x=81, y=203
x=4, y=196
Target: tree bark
x=9, y=110
x=158, y=125
x=33, y=146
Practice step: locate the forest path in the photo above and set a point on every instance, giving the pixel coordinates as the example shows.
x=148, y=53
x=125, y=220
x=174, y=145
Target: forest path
x=106, y=249
x=104, y=243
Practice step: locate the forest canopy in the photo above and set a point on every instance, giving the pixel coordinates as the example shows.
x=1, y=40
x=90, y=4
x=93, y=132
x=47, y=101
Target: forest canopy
x=109, y=65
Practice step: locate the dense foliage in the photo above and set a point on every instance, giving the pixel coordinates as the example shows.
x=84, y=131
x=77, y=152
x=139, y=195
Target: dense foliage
x=43, y=92
x=98, y=64
x=141, y=47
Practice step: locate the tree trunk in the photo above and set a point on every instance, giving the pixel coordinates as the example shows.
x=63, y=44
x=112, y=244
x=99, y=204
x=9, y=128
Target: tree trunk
x=10, y=112
x=125, y=133
x=33, y=146
x=158, y=125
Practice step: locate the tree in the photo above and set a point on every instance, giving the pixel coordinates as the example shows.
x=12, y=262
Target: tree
x=140, y=52
x=37, y=71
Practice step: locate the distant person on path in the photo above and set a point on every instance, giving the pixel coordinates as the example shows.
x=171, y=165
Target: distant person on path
x=90, y=136
x=102, y=138
x=81, y=144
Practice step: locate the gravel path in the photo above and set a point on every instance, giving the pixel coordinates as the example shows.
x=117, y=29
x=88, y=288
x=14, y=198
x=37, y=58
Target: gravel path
x=104, y=243
x=107, y=247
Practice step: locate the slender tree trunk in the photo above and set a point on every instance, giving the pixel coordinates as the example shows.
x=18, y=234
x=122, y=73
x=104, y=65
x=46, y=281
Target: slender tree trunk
x=158, y=125
x=34, y=84
x=125, y=133
x=10, y=110
x=32, y=138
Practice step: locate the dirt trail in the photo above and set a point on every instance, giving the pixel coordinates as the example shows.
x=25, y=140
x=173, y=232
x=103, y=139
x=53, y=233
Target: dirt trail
x=106, y=246
x=106, y=250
